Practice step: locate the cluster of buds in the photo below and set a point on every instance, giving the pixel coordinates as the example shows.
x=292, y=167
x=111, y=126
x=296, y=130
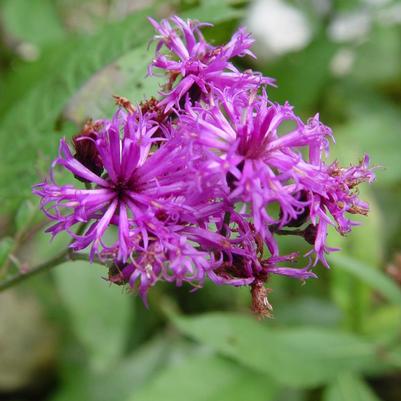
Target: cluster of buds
x=199, y=183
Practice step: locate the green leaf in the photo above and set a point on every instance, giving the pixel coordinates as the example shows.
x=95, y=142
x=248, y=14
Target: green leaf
x=301, y=77
x=375, y=130
x=117, y=384
x=301, y=357
x=384, y=44
x=384, y=324
x=124, y=77
x=367, y=274
x=73, y=62
x=33, y=21
x=100, y=313
x=307, y=310
x=214, y=12
x=365, y=244
x=32, y=120
x=207, y=378
x=349, y=388
x=26, y=215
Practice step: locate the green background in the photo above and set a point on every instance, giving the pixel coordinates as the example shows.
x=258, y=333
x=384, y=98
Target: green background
x=67, y=335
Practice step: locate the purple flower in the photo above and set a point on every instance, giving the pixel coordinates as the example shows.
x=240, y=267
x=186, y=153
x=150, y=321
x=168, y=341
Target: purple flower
x=260, y=166
x=137, y=187
x=200, y=183
x=179, y=254
x=263, y=167
x=197, y=65
x=337, y=198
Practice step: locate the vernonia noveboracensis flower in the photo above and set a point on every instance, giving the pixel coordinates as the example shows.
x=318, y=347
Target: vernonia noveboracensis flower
x=199, y=183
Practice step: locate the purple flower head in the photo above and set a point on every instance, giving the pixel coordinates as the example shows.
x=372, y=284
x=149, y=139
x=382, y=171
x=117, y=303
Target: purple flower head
x=268, y=168
x=180, y=253
x=197, y=65
x=259, y=165
x=200, y=183
x=136, y=187
x=331, y=204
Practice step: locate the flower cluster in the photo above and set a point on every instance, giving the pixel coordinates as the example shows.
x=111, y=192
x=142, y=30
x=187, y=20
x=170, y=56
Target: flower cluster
x=200, y=183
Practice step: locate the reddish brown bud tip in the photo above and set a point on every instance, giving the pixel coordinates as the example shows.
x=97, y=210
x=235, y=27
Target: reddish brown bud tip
x=125, y=103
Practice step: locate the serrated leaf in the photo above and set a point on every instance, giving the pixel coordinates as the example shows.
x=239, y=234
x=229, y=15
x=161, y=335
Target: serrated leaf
x=301, y=357
x=124, y=77
x=207, y=378
x=73, y=63
x=33, y=118
x=349, y=388
x=100, y=313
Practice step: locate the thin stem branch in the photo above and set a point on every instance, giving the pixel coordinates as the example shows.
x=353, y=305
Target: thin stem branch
x=60, y=258
x=65, y=256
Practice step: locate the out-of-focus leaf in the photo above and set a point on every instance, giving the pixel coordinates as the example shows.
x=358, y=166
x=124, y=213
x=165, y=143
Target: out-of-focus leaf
x=365, y=244
x=301, y=76
x=346, y=5
x=207, y=378
x=100, y=313
x=33, y=21
x=378, y=60
x=6, y=246
x=367, y=274
x=301, y=357
x=28, y=343
x=308, y=311
x=384, y=324
x=42, y=247
x=32, y=119
x=26, y=214
x=389, y=200
x=118, y=383
x=214, y=12
x=124, y=77
x=349, y=388
x=376, y=132
x=290, y=394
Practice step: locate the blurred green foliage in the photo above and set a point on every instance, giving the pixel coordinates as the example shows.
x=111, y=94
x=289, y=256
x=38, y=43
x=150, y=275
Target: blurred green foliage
x=335, y=339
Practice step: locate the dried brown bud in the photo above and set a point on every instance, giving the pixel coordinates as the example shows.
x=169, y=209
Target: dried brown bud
x=260, y=304
x=125, y=103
